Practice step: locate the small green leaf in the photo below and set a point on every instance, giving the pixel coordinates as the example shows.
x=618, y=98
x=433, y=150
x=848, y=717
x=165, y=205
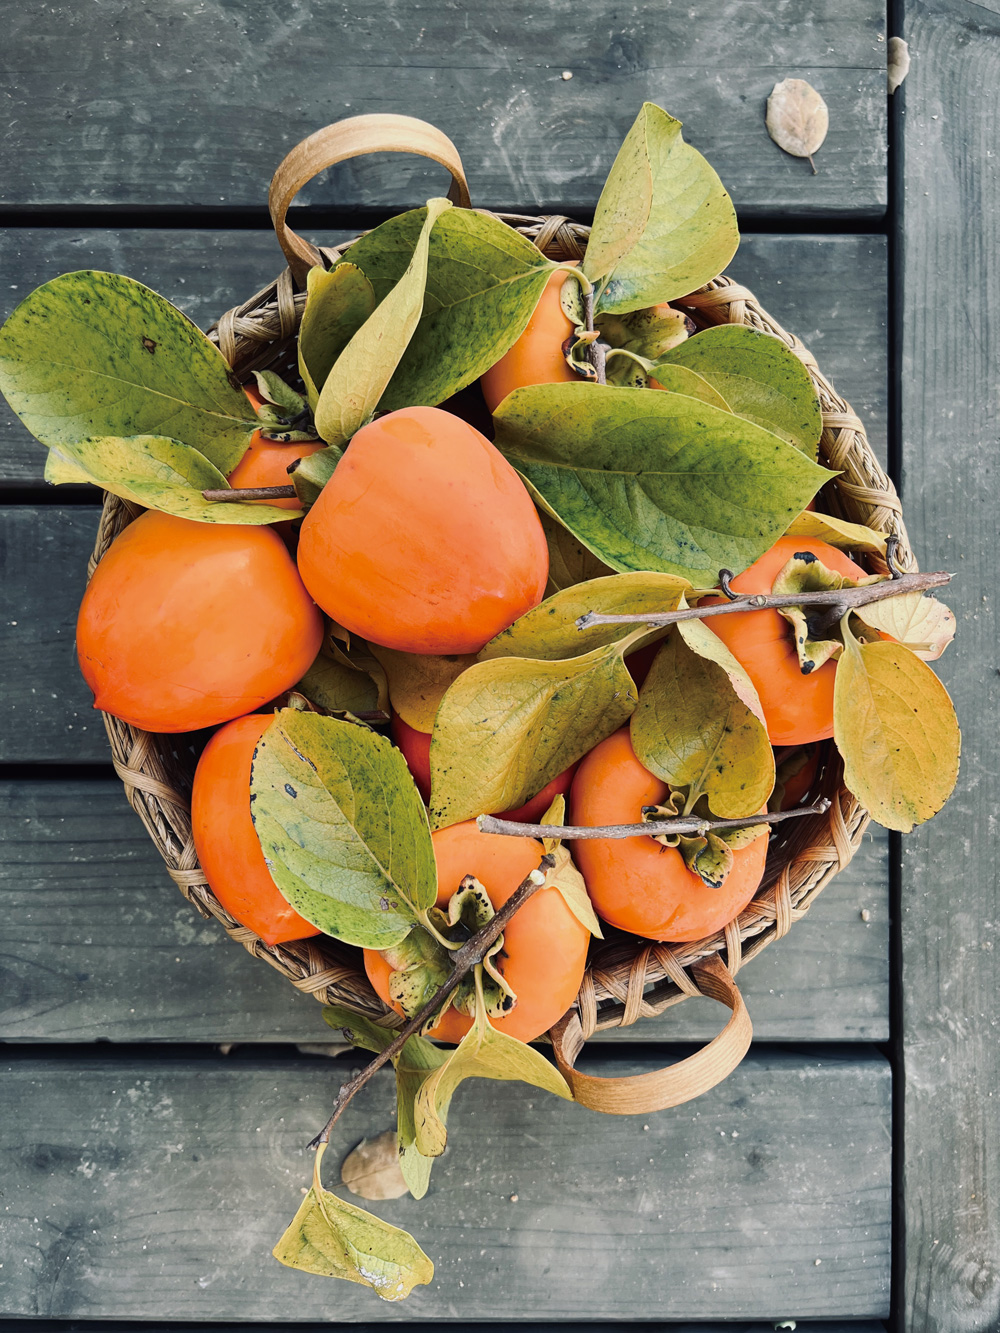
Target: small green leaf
x=656, y=480
x=94, y=354
x=509, y=726
x=836, y=532
x=664, y=224
x=482, y=1053
x=273, y=389
x=569, y=560
x=311, y=473
x=648, y=333
x=549, y=631
x=923, y=623
x=896, y=730
x=698, y=724
x=335, y=685
x=332, y=1238
x=483, y=283
x=679, y=379
x=156, y=473
x=342, y=827
x=337, y=304
x=759, y=377
x=358, y=378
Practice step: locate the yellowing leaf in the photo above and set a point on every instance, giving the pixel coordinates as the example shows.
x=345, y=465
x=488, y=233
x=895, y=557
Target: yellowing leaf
x=836, y=532
x=337, y=304
x=923, y=623
x=372, y=1171
x=569, y=560
x=417, y=682
x=332, y=683
x=565, y=877
x=797, y=118
x=896, y=730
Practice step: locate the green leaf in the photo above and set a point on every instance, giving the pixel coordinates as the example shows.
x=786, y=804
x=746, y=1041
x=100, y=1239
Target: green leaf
x=482, y=1053
x=337, y=304
x=923, y=623
x=836, y=532
x=156, y=473
x=569, y=560
x=358, y=378
x=549, y=631
x=509, y=726
x=698, y=724
x=896, y=730
x=311, y=473
x=273, y=389
x=483, y=283
x=94, y=354
x=664, y=224
x=332, y=1238
x=656, y=480
x=342, y=827
x=759, y=377
x=648, y=333
x=336, y=685
x=678, y=379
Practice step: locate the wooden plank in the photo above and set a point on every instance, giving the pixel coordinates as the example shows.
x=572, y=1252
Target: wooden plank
x=98, y=944
x=830, y=290
x=156, y=1188
x=103, y=1326
x=950, y=293
x=193, y=107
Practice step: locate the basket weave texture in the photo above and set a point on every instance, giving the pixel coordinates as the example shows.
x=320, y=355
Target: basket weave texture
x=627, y=978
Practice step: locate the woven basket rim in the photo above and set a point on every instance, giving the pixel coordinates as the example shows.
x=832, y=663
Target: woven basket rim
x=627, y=978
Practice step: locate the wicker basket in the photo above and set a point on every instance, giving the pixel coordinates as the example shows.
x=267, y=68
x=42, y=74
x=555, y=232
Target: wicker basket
x=627, y=978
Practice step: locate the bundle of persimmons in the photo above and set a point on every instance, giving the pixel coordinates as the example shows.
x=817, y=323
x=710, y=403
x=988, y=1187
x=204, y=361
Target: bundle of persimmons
x=435, y=655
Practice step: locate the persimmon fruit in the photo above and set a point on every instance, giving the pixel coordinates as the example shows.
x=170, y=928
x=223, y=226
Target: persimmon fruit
x=637, y=884
x=226, y=841
x=544, y=954
x=266, y=463
x=537, y=356
x=185, y=625
x=425, y=538
x=798, y=707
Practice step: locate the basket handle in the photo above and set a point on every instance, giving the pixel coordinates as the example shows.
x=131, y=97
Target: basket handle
x=639, y=1094
x=354, y=137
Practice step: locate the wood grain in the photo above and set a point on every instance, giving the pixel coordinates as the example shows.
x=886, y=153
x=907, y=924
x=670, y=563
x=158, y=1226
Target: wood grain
x=155, y=1188
x=99, y=945
x=830, y=290
x=950, y=294
x=175, y=105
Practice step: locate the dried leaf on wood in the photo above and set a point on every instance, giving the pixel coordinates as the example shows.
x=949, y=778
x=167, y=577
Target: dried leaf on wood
x=898, y=65
x=797, y=118
x=371, y=1170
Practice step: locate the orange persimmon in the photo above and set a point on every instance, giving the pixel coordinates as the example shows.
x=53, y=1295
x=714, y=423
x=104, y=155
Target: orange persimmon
x=185, y=625
x=226, y=841
x=637, y=884
x=537, y=356
x=425, y=538
x=266, y=463
x=545, y=947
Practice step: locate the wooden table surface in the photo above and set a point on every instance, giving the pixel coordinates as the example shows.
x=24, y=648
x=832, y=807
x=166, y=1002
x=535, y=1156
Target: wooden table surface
x=159, y=1084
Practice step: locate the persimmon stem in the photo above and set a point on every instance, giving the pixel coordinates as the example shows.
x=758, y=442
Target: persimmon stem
x=471, y=953
x=840, y=599
x=252, y=493
x=684, y=824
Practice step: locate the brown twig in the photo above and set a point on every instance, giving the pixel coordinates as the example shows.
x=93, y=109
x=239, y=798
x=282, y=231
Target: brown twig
x=844, y=599
x=463, y=960
x=685, y=824
x=252, y=493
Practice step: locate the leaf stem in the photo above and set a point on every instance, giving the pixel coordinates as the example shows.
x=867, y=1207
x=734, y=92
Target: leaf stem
x=463, y=961
x=684, y=824
x=252, y=493
x=841, y=599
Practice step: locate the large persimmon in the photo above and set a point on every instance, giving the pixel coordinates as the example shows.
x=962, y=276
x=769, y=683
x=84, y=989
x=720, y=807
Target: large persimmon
x=637, y=884
x=226, y=841
x=425, y=538
x=185, y=625
x=537, y=356
x=798, y=706
x=545, y=947
x=266, y=462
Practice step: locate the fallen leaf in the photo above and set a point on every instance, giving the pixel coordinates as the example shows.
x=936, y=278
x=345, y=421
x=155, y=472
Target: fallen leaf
x=797, y=118
x=898, y=65
x=371, y=1170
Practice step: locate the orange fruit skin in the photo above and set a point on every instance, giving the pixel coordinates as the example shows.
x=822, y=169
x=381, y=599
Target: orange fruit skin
x=797, y=708
x=800, y=782
x=537, y=356
x=416, y=748
x=425, y=538
x=226, y=841
x=545, y=946
x=266, y=463
x=635, y=883
x=185, y=625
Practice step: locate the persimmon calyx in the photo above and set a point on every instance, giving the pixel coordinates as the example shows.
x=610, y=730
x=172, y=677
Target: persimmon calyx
x=707, y=853
x=806, y=573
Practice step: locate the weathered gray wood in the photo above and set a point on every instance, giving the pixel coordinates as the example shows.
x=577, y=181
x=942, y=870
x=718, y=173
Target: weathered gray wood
x=950, y=292
x=98, y=944
x=103, y=1326
x=137, y=1189
x=182, y=106
x=830, y=290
